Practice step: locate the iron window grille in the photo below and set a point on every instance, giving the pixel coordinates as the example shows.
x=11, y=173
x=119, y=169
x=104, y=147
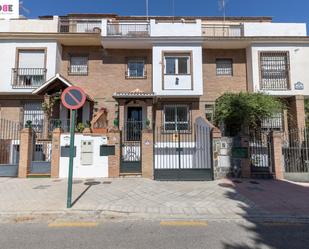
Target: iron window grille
x=176, y=118
x=224, y=67
x=273, y=123
x=78, y=65
x=274, y=70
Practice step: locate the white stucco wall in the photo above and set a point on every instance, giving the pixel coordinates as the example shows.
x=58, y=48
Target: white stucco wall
x=197, y=70
x=299, y=65
x=175, y=29
x=99, y=168
x=8, y=60
x=29, y=25
x=275, y=29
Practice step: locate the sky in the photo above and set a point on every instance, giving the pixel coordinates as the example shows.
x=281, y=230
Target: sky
x=280, y=10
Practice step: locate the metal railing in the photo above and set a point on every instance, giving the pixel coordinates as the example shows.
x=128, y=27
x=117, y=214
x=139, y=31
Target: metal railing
x=28, y=77
x=222, y=30
x=274, y=80
x=128, y=29
x=79, y=25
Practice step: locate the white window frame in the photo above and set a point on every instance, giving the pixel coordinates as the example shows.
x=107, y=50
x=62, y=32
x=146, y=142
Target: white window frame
x=79, y=69
x=176, y=56
x=175, y=122
x=135, y=60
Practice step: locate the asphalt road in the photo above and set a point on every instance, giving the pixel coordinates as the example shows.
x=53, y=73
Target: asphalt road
x=154, y=234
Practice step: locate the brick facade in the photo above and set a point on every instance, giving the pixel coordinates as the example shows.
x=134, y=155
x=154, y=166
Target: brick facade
x=106, y=74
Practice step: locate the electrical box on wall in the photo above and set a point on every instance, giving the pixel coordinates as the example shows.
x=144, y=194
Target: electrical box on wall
x=87, y=152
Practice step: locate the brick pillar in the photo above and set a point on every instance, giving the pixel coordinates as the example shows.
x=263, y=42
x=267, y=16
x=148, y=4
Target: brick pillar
x=121, y=116
x=245, y=162
x=114, y=161
x=149, y=116
x=147, y=153
x=25, y=152
x=297, y=112
x=56, y=148
x=277, y=155
x=216, y=146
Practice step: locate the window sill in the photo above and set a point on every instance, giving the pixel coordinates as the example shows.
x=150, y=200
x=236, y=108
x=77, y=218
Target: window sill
x=135, y=77
x=78, y=74
x=177, y=75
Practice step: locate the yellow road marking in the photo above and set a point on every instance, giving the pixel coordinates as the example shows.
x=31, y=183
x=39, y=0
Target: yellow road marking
x=73, y=224
x=184, y=223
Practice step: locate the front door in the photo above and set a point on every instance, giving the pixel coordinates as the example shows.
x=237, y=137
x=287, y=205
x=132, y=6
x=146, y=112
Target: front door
x=131, y=141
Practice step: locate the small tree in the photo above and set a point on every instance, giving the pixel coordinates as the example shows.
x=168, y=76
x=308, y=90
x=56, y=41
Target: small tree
x=245, y=109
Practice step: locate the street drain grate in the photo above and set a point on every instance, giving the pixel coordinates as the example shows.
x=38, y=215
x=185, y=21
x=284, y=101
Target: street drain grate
x=237, y=181
x=225, y=185
x=77, y=181
x=91, y=183
x=254, y=182
x=106, y=182
x=42, y=187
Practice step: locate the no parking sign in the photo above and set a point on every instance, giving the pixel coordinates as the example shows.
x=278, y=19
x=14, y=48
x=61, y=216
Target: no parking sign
x=72, y=98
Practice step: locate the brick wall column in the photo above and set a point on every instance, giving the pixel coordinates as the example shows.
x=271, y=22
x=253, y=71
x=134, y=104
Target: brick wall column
x=147, y=153
x=297, y=112
x=149, y=113
x=277, y=155
x=114, y=161
x=216, y=146
x=56, y=148
x=25, y=152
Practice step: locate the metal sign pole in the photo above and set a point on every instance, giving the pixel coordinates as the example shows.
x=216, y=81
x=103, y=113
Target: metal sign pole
x=72, y=135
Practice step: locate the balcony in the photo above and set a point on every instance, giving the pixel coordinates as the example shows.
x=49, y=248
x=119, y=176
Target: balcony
x=216, y=30
x=128, y=29
x=28, y=77
x=79, y=25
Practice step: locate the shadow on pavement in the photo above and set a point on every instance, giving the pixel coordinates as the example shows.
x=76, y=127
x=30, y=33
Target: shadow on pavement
x=278, y=199
x=89, y=184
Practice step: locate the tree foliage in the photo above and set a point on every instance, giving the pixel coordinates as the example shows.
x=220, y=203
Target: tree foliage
x=247, y=109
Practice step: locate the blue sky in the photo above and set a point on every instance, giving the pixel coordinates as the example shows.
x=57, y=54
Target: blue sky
x=280, y=10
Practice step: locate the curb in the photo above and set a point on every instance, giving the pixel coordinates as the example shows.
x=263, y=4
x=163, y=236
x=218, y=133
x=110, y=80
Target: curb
x=115, y=215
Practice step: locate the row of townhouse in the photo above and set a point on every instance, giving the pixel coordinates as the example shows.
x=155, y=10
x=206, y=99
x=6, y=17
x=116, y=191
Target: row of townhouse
x=159, y=72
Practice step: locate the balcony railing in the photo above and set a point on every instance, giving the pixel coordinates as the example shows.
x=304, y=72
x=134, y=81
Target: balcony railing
x=216, y=30
x=79, y=26
x=28, y=77
x=128, y=30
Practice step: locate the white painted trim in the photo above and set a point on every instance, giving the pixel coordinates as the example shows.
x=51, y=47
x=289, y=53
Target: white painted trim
x=57, y=76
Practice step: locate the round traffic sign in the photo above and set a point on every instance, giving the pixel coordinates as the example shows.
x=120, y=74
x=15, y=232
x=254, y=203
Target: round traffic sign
x=73, y=98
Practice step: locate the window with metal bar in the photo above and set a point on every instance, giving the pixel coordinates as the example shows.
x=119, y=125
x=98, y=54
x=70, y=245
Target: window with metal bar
x=275, y=122
x=224, y=67
x=136, y=68
x=78, y=65
x=274, y=70
x=176, y=118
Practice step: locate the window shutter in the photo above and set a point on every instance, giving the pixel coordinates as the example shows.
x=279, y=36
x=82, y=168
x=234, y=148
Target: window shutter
x=31, y=59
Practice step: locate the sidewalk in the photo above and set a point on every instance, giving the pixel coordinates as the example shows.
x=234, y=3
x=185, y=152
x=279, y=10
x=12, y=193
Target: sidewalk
x=222, y=199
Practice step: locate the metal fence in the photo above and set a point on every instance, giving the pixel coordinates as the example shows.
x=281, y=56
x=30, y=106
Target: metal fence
x=9, y=147
x=128, y=29
x=261, y=152
x=295, y=149
x=184, y=155
x=28, y=77
x=79, y=25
